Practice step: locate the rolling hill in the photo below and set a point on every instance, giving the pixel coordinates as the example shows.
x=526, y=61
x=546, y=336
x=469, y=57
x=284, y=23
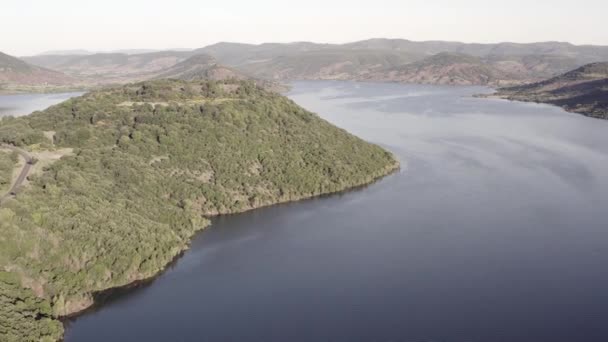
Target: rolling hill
x=581, y=53
x=583, y=90
x=103, y=68
x=533, y=67
x=236, y=54
x=445, y=68
x=17, y=73
x=327, y=64
x=201, y=67
x=205, y=67
x=375, y=60
x=451, y=68
x=400, y=60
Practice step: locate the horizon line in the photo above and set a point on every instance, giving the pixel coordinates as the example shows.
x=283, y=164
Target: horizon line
x=153, y=50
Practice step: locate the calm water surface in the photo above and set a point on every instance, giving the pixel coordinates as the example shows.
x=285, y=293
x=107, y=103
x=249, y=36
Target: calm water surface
x=23, y=104
x=494, y=230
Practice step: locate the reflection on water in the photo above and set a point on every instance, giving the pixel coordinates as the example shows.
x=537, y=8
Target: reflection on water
x=494, y=230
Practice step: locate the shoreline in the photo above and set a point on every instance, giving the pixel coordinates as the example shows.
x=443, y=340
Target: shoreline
x=43, y=90
x=99, y=298
x=498, y=96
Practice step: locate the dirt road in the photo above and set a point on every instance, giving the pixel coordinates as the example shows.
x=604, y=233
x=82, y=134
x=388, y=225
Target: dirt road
x=25, y=171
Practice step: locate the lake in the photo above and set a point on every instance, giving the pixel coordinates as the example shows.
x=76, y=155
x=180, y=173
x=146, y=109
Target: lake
x=494, y=230
x=23, y=104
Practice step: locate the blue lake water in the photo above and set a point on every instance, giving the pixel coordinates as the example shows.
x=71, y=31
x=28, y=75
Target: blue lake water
x=494, y=230
x=23, y=104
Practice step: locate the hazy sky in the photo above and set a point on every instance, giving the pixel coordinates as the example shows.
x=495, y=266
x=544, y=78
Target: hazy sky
x=32, y=26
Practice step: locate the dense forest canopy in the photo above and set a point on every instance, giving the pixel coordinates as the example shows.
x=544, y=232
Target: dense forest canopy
x=146, y=165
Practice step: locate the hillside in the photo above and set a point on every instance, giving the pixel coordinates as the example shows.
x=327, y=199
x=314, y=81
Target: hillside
x=143, y=166
x=451, y=68
x=104, y=68
x=445, y=68
x=582, y=53
x=583, y=90
x=201, y=67
x=400, y=60
x=236, y=54
x=17, y=73
x=205, y=67
x=374, y=59
x=327, y=64
x=535, y=67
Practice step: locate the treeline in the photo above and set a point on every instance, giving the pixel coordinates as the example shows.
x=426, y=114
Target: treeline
x=151, y=161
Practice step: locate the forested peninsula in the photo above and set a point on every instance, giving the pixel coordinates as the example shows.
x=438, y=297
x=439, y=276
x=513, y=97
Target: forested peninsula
x=126, y=175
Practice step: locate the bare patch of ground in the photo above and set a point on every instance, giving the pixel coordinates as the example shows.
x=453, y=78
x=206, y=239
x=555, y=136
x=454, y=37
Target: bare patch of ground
x=157, y=159
x=18, y=167
x=206, y=176
x=44, y=159
x=255, y=168
x=181, y=103
x=50, y=135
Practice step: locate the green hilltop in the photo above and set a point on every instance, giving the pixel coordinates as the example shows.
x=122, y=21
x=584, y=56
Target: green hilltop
x=143, y=167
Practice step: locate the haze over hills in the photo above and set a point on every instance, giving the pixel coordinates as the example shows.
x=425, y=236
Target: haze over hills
x=237, y=53
x=399, y=60
x=74, y=52
x=453, y=68
x=111, y=67
x=540, y=66
x=334, y=64
x=584, y=91
x=407, y=61
x=445, y=68
x=204, y=67
x=15, y=72
x=201, y=67
x=582, y=53
x=81, y=52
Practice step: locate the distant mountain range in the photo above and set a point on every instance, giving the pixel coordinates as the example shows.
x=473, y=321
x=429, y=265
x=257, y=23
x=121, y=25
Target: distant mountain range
x=238, y=54
x=88, y=52
x=111, y=67
x=399, y=60
x=396, y=60
x=584, y=90
x=452, y=68
x=100, y=69
x=382, y=60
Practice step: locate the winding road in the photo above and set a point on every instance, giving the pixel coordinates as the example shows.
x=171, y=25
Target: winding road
x=25, y=171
